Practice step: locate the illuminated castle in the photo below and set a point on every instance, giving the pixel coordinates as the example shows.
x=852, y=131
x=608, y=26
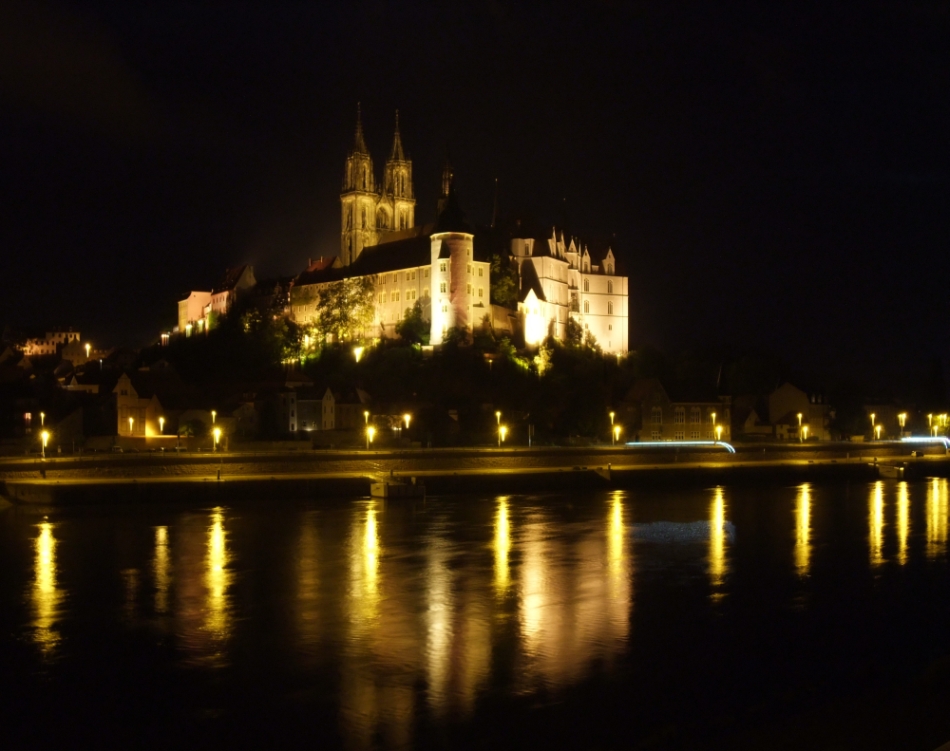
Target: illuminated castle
x=446, y=268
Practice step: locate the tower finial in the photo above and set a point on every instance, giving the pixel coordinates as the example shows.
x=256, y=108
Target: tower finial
x=359, y=143
x=397, y=152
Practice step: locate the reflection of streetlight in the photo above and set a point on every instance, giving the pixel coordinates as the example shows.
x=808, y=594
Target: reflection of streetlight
x=502, y=432
x=45, y=436
x=217, y=437
x=718, y=433
x=877, y=431
x=407, y=417
x=370, y=432
x=616, y=433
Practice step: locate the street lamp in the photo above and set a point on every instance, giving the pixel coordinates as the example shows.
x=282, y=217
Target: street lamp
x=131, y=421
x=877, y=432
x=45, y=436
x=805, y=438
x=42, y=419
x=214, y=414
x=930, y=420
x=498, y=418
x=366, y=416
x=902, y=417
x=407, y=417
x=161, y=425
x=616, y=434
x=611, y=418
x=718, y=433
x=370, y=432
x=502, y=432
x=872, y=422
x=217, y=437
x=88, y=347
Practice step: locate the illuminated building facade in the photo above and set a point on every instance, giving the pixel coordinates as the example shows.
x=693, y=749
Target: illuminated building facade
x=50, y=344
x=654, y=414
x=559, y=281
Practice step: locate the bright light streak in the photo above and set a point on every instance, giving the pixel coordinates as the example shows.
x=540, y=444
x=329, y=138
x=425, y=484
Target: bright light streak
x=876, y=523
x=160, y=568
x=941, y=439
x=676, y=444
x=717, y=539
x=502, y=546
x=903, y=522
x=45, y=596
x=803, y=530
x=217, y=579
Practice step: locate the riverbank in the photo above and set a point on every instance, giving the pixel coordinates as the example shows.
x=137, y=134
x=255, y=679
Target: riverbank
x=157, y=478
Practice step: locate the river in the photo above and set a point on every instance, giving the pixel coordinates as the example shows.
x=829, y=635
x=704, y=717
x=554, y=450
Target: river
x=807, y=616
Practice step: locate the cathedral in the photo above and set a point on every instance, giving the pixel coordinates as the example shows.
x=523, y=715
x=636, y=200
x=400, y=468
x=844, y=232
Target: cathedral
x=445, y=266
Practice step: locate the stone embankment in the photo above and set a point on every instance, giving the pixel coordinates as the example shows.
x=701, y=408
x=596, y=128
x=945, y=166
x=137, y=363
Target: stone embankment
x=166, y=477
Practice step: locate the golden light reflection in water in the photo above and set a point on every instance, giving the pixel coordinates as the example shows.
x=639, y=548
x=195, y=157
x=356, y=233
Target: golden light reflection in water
x=717, y=538
x=876, y=523
x=45, y=596
x=937, y=517
x=308, y=583
x=364, y=567
x=803, y=530
x=502, y=546
x=217, y=579
x=618, y=566
x=161, y=569
x=903, y=521
x=438, y=623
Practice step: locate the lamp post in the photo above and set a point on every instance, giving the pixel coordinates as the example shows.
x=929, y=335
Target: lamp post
x=42, y=419
x=45, y=436
x=498, y=418
x=217, y=437
x=88, y=347
x=877, y=431
x=502, y=432
x=131, y=422
x=805, y=437
x=612, y=419
x=366, y=416
x=616, y=434
x=214, y=415
x=407, y=417
x=800, y=439
x=161, y=425
x=712, y=416
x=872, y=423
x=718, y=433
x=902, y=418
x=370, y=432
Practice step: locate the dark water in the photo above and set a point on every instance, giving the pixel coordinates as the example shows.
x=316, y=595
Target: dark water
x=767, y=617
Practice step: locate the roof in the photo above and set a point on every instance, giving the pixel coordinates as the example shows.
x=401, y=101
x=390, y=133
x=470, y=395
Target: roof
x=452, y=218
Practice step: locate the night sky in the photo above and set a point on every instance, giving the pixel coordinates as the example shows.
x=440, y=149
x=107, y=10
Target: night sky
x=772, y=176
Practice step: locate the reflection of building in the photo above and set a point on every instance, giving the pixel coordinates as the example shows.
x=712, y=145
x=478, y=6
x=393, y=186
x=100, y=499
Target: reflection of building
x=654, y=414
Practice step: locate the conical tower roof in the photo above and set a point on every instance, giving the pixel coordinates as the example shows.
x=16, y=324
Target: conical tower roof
x=397, y=153
x=359, y=142
x=452, y=218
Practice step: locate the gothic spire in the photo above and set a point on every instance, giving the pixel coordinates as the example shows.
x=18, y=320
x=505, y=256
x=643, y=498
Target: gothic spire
x=397, y=152
x=359, y=143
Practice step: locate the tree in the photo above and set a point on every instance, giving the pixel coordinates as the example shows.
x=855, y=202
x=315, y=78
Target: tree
x=344, y=309
x=504, y=282
x=573, y=333
x=413, y=328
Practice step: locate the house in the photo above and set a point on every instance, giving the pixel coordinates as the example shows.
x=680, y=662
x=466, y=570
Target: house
x=138, y=408
x=798, y=415
x=653, y=414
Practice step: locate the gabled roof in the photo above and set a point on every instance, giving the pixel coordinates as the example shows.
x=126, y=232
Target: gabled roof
x=529, y=282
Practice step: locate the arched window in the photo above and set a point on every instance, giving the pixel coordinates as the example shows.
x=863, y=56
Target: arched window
x=610, y=268
x=610, y=287
x=587, y=285
x=586, y=306
x=610, y=308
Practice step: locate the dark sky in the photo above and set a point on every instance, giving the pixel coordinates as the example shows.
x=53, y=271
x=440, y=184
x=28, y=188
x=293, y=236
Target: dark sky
x=773, y=175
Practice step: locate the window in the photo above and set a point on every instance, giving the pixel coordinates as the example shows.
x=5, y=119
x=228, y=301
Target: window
x=480, y=270
x=679, y=416
x=469, y=269
x=679, y=435
x=442, y=266
x=610, y=327
x=395, y=278
x=425, y=291
x=610, y=287
x=443, y=287
x=610, y=268
x=468, y=289
x=445, y=308
x=426, y=273
x=694, y=435
x=397, y=295
x=587, y=285
x=657, y=414
x=655, y=435
x=586, y=306
x=694, y=417
x=392, y=297
x=481, y=292
x=610, y=308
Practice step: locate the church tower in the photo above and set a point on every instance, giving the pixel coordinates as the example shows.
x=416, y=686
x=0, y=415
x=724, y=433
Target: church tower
x=447, y=177
x=358, y=199
x=397, y=205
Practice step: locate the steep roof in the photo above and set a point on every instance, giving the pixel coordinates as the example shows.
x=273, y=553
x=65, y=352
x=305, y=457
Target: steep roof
x=397, y=153
x=452, y=218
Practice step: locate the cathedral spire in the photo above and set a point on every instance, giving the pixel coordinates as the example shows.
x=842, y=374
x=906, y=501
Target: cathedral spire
x=359, y=143
x=397, y=152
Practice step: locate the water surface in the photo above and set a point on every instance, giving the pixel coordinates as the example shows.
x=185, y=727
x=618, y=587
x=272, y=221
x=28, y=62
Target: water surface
x=748, y=617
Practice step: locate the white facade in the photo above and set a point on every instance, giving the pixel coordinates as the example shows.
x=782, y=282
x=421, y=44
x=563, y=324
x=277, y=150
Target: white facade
x=559, y=280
